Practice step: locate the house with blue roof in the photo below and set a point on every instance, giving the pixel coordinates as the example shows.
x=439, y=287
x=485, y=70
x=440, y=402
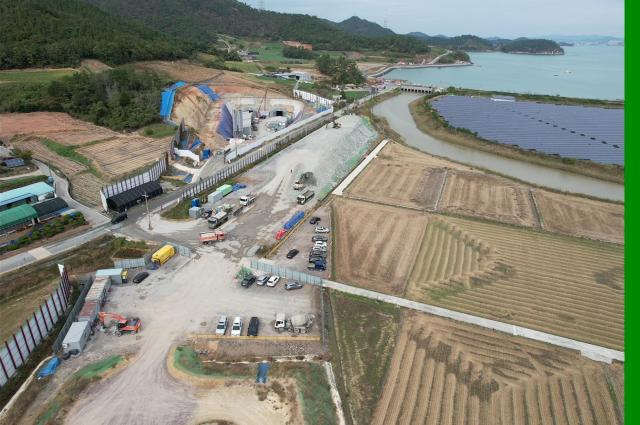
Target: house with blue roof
x=26, y=195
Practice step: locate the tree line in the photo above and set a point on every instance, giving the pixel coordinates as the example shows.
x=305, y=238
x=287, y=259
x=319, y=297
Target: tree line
x=341, y=70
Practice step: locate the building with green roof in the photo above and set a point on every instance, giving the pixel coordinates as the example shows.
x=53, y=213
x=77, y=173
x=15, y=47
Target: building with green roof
x=22, y=215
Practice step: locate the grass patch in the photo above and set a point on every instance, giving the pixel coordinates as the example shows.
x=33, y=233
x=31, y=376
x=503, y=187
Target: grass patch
x=37, y=76
x=19, y=182
x=70, y=153
x=311, y=381
x=244, y=66
x=158, y=130
x=429, y=122
x=270, y=52
x=56, y=410
x=355, y=95
x=362, y=343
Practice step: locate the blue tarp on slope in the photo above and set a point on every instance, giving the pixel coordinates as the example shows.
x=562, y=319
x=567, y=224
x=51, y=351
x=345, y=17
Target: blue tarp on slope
x=225, y=128
x=167, y=99
x=261, y=377
x=207, y=90
x=49, y=368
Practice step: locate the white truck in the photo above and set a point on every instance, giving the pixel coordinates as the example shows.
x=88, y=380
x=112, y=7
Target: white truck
x=218, y=219
x=248, y=199
x=302, y=199
x=298, y=323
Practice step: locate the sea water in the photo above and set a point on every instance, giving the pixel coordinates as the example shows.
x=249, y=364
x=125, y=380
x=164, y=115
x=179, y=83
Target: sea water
x=595, y=72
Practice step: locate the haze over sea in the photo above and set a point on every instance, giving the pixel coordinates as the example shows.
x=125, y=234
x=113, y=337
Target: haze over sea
x=595, y=72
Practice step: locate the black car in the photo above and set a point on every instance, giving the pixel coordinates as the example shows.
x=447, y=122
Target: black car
x=292, y=253
x=118, y=218
x=314, y=220
x=140, y=277
x=248, y=281
x=254, y=324
x=319, y=238
x=313, y=260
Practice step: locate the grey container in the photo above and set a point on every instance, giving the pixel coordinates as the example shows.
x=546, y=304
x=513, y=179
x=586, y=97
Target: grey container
x=76, y=337
x=195, y=212
x=214, y=197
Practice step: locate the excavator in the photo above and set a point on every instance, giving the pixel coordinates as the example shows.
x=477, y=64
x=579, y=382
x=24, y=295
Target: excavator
x=123, y=324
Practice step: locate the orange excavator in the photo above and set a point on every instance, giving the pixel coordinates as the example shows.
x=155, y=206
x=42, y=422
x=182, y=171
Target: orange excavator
x=123, y=324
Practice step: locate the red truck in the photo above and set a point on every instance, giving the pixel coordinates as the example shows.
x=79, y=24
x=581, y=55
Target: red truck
x=210, y=237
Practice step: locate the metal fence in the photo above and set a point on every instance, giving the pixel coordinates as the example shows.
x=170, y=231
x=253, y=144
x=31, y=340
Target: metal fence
x=254, y=157
x=129, y=263
x=17, y=349
x=285, y=272
x=72, y=315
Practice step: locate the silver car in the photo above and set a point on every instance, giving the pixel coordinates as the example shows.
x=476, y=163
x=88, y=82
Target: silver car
x=262, y=279
x=221, y=328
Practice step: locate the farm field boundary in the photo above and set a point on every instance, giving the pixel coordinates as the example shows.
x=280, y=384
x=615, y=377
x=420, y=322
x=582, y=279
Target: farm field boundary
x=590, y=351
x=356, y=172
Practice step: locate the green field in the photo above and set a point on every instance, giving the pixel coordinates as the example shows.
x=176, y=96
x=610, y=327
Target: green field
x=244, y=66
x=355, y=95
x=43, y=76
x=270, y=52
x=159, y=130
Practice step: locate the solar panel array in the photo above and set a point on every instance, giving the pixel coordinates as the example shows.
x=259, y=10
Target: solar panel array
x=579, y=132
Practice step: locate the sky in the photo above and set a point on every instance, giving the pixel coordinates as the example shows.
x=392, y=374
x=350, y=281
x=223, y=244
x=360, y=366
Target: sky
x=486, y=18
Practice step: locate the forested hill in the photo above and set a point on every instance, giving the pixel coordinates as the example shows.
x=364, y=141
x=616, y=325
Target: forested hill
x=37, y=33
x=533, y=46
x=202, y=19
x=364, y=28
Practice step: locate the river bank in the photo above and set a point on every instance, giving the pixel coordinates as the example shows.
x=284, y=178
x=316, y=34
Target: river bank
x=426, y=65
x=398, y=116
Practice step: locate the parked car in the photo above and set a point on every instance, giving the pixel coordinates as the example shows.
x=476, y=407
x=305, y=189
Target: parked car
x=119, y=217
x=254, y=324
x=262, y=279
x=293, y=285
x=248, y=281
x=319, y=248
x=140, y=277
x=314, y=220
x=236, y=328
x=318, y=251
x=317, y=265
x=319, y=238
x=316, y=258
x=221, y=328
x=320, y=229
x=273, y=281
x=292, y=253
x=320, y=243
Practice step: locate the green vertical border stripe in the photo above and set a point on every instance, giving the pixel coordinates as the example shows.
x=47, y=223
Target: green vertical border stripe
x=632, y=232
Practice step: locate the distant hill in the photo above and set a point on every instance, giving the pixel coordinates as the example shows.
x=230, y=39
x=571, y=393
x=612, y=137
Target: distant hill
x=201, y=20
x=364, y=28
x=37, y=33
x=461, y=42
x=587, y=39
x=532, y=46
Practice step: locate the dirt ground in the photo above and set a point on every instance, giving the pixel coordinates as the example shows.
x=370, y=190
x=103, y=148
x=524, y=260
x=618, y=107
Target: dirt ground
x=581, y=216
x=57, y=126
x=375, y=246
x=181, y=70
x=557, y=284
x=445, y=372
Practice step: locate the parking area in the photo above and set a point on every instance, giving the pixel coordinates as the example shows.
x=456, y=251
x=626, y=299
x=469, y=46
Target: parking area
x=301, y=240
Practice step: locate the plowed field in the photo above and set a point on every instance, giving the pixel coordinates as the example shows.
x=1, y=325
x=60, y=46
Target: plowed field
x=445, y=372
x=42, y=153
x=581, y=217
x=375, y=245
x=565, y=286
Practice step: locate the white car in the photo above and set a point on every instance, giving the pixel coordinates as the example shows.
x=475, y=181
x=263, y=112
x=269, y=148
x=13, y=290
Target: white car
x=236, y=328
x=273, y=280
x=222, y=325
x=319, y=243
x=262, y=279
x=320, y=229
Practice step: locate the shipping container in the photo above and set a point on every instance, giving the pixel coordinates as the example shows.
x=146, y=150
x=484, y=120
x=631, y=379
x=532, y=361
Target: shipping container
x=117, y=276
x=214, y=197
x=89, y=311
x=163, y=255
x=225, y=189
x=195, y=202
x=195, y=212
x=77, y=336
x=294, y=220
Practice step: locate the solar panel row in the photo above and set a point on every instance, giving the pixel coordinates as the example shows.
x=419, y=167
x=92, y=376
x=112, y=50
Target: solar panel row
x=580, y=132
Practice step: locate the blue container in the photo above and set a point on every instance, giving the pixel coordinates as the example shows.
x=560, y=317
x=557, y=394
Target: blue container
x=238, y=186
x=206, y=154
x=195, y=202
x=294, y=220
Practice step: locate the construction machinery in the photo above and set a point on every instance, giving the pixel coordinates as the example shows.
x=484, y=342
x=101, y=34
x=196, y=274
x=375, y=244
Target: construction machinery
x=210, y=237
x=123, y=324
x=298, y=323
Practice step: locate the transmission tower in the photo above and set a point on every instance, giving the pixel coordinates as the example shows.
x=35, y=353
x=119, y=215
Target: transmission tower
x=261, y=4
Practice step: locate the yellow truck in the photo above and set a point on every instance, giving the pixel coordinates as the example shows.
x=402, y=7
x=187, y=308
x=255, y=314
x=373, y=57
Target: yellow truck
x=163, y=255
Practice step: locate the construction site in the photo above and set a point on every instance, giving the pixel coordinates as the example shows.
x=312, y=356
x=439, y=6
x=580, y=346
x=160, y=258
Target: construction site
x=336, y=278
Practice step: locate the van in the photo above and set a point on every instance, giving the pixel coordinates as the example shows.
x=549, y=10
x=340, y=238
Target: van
x=254, y=324
x=119, y=217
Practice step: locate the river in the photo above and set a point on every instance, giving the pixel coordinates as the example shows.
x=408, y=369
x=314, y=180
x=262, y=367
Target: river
x=595, y=72
x=396, y=111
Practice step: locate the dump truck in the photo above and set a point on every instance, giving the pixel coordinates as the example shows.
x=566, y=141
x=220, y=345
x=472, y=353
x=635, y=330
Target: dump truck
x=210, y=237
x=218, y=219
x=248, y=199
x=302, y=199
x=123, y=324
x=163, y=255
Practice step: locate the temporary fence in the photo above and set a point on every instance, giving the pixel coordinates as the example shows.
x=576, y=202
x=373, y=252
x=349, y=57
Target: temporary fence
x=313, y=98
x=152, y=174
x=17, y=349
x=129, y=263
x=275, y=269
x=301, y=129
x=72, y=315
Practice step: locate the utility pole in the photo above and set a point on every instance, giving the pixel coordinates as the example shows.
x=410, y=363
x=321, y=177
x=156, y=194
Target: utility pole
x=146, y=202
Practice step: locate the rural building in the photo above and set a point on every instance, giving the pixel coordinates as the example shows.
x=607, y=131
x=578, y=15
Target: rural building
x=13, y=162
x=131, y=197
x=26, y=195
x=421, y=89
x=298, y=45
x=294, y=75
x=50, y=208
x=17, y=217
